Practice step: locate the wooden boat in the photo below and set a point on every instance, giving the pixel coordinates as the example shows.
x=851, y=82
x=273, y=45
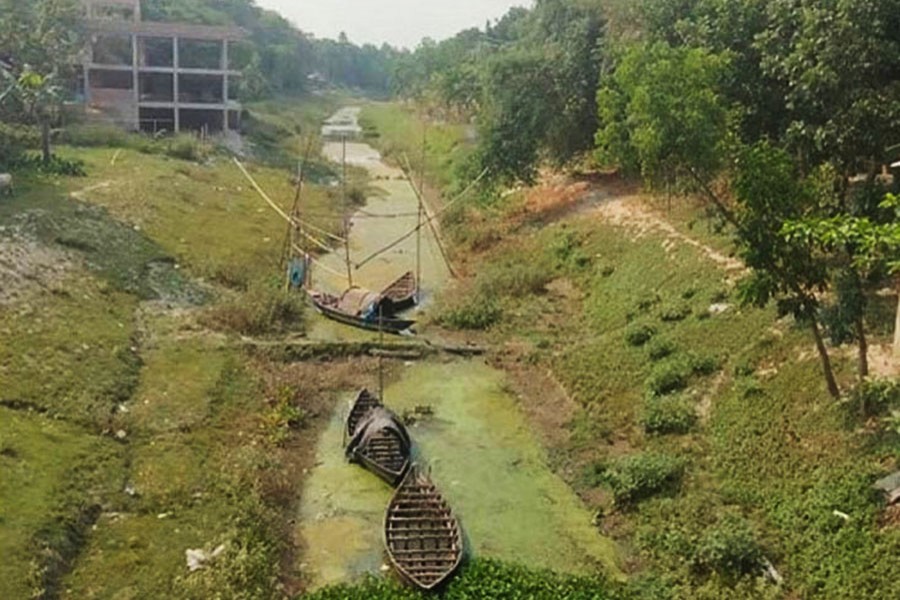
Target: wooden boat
x=374, y=316
x=381, y=444
x=422, y=536
x=365, y=401
x=403, y=293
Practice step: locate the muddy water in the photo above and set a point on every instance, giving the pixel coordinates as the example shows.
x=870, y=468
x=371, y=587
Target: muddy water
x=477, y=442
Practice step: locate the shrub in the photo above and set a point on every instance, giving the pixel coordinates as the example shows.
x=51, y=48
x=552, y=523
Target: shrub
x=187, y=147
x=514, y=279
x=14, y=140
x=659, y=349
x=639, y=334
x=92, y=135
x=476, y=312
x=645, y=303
x=675, y=312
x=263, y=310
x=729, y=548
x=668, y=377
x=667, y=415
x=705, y=365
x=55, y=166
x=876, y=396
x=639, y=476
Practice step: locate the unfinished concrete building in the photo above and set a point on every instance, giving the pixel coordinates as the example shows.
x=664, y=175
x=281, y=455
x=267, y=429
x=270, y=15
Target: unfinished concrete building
x=156, y=77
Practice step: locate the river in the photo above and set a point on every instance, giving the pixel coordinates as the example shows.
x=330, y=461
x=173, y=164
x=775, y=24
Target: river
x=477, y=442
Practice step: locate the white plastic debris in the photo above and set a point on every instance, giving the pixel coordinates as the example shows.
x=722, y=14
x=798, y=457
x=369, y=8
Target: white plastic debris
x=198, y=559
x=719, y=308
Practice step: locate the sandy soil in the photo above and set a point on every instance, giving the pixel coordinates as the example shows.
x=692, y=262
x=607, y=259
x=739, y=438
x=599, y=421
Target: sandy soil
x=27, y=266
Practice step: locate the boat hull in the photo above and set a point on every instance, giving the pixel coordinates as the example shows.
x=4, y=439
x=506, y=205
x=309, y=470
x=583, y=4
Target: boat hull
x=422, y=536
x=387, y=325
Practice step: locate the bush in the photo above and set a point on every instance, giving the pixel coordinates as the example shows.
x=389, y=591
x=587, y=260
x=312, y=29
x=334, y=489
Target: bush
x=645, y=303
x=264, y=310
x=639, y=476
x=639, y=334
x=675, y=312
x=55, y=166
x=14, y=141
x=705, y=365
x=668, y=415
x=876, y=397
x=668, y=377
x=514, y=279
x=476, y=313
x=660, y=349
x=93, y=135
x=187, y=147
x=729, y=549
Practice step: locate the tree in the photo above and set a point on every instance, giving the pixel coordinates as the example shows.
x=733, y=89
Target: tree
x=873, y=247
x=662, y=115
x=43, y=38
x=840, y=63
x=770, y=194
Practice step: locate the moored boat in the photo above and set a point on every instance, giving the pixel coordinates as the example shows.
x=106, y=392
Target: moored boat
x=422, y=536
x=360, y=308
x=381, y=444
x=365, y=401
x=403, y=293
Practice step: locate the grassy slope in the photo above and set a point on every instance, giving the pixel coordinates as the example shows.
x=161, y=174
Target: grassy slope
x=770, y=448
x=397, y=133
x=196, y=456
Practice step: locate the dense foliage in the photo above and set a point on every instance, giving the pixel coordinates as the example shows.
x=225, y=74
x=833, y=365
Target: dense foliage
x=484, y=579
x=279, y=58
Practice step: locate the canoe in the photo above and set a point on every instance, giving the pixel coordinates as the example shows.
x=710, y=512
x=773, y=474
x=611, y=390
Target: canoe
x=421, y=534
x=365, y=401
x=403, y=293
x=382, y=445
x=330, y=306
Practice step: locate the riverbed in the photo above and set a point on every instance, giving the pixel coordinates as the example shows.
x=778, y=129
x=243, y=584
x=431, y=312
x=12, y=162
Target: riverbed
x=477, y=442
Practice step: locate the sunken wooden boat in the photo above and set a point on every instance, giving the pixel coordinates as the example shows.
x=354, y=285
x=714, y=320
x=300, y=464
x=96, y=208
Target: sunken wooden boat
x=403, y=293
x=360, y=308
x=422, y=536
x=381, y=444
x=364, y=402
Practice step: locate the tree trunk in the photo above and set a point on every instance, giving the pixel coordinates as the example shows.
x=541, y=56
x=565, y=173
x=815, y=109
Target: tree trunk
x=45, y=140
x=826, y=360
x=863, y=345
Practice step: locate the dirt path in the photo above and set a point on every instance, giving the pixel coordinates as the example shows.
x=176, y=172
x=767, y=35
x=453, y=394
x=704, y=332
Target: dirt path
x=632, y=213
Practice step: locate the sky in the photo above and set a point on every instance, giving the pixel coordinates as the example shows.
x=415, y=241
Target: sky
x=398, y=22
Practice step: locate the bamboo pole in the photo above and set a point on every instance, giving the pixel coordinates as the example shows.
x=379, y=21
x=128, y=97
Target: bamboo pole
x=346, y=209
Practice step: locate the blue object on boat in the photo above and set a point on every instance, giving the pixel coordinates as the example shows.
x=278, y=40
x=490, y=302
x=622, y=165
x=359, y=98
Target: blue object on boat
x=297, y=272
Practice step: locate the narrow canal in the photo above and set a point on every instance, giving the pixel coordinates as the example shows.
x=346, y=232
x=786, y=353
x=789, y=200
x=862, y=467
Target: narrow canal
x=477, y=442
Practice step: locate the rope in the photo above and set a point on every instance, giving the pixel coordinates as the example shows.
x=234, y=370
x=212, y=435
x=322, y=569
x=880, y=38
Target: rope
x=406, y=236
x=320, y=263
x=281, y=213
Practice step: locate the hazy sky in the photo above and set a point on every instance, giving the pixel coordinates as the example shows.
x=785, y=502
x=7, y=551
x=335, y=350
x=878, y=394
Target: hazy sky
x=398, y=22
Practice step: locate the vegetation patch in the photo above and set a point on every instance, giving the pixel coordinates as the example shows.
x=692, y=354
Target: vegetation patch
x=484, y=578
x=639, y=334
x=640, y=476
x=668, y=414
x=472, y=312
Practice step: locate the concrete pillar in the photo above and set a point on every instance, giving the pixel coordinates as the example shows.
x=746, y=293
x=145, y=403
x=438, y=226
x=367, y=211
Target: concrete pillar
x=136, y=81
x=175, y=64
x=225, y=84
